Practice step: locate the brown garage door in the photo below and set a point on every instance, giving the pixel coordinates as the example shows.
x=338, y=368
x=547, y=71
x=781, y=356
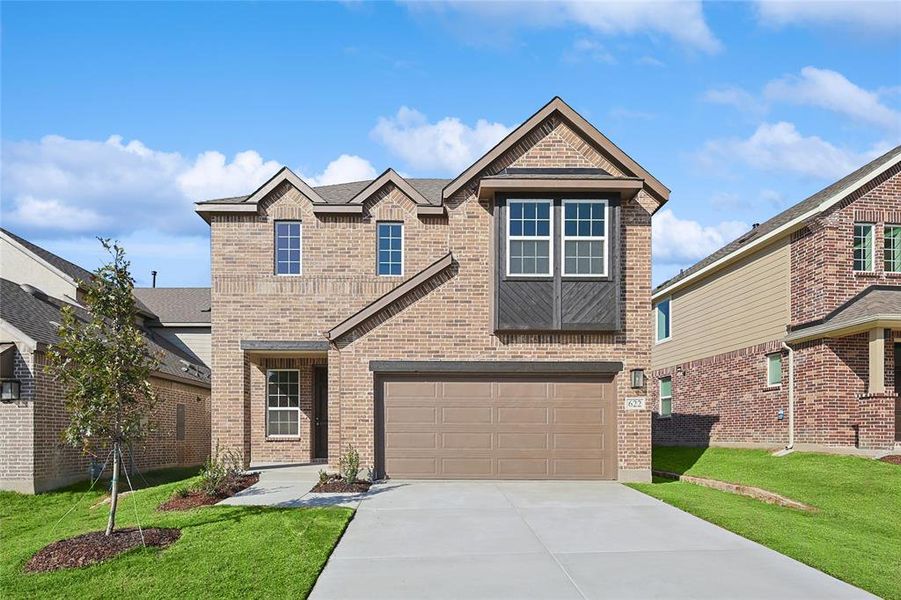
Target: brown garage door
x=494, y=427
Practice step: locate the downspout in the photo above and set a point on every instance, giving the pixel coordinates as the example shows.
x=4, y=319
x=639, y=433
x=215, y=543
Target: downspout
x=791, y=395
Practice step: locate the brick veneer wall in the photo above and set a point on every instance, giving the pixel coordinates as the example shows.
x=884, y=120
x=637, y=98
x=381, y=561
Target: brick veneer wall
x=450, y=322
x=38, y=459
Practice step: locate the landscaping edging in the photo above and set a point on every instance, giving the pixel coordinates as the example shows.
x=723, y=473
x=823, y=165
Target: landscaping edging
x=741, y=490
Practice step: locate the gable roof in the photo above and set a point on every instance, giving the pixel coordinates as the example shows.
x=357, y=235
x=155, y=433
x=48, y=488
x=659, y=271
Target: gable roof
x=38, y=317
x=177, y=305
x=392, y=296
x=70, y=269
x=582, y=126
x=785, y=222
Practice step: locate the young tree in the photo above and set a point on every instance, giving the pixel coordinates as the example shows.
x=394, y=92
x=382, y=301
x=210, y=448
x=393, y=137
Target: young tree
x=104, y=365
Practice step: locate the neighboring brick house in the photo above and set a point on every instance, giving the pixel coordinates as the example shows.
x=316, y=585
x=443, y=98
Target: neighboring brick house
x=788, y=336
x=479, y=327
x=34, y=285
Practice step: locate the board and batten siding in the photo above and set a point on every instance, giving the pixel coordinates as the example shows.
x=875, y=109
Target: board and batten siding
x=746, y=304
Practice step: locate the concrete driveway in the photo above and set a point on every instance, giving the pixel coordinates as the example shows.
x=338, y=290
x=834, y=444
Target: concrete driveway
x=550, y=540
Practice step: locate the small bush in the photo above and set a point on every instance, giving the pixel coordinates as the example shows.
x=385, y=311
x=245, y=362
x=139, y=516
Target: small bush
x=323, y=476
x=183, y=492
x=220, y=471
x=350, y=465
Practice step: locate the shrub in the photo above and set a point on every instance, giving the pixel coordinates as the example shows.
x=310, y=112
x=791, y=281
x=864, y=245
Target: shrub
x=323, y=476
x=183, y=492
x=350, y=465
x=219, y=472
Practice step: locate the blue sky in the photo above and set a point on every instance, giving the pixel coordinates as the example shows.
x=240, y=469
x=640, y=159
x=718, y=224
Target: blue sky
x=117, y=116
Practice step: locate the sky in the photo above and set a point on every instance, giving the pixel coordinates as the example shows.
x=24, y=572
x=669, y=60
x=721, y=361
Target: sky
x=116, y=117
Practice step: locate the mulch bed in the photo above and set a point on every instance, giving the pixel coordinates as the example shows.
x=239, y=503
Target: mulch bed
x=95, y=547
x=894, y=459
x=336, y=485
x=197, y=498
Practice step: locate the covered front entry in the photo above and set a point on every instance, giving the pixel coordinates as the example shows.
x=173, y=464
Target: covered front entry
x=490, y=426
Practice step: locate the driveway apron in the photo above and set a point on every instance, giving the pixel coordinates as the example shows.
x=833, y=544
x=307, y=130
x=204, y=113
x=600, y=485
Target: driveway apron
x=518, y=540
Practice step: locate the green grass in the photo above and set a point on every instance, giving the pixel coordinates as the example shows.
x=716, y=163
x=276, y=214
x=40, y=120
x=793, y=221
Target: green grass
x=855, y=536
x=227, y=551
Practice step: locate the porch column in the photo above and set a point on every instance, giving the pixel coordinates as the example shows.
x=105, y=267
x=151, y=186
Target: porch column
x=877, y=361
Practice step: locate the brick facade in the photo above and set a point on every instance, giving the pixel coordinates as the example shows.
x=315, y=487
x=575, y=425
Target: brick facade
x=36, y=459
x=724, y=399
x=449, y=318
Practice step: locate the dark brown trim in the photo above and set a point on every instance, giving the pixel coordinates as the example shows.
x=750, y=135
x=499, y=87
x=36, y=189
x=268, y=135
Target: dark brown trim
x=284, y=345
x=340, y=209
x=395, y=294
x=511, y=367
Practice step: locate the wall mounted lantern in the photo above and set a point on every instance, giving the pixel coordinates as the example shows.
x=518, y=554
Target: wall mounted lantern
x=637, y=378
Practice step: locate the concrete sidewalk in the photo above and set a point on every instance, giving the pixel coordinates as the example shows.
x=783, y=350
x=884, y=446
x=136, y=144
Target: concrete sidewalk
x=550, y=540
x=288, y=486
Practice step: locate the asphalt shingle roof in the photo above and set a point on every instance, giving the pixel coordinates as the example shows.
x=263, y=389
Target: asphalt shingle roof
x=341, y=193
x=785, y=216
x=39, y=318
x=177, y=305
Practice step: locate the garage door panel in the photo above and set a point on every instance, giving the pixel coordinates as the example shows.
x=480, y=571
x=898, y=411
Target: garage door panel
x=466, y=441
x=469, y=415
x=412, y=414
x=522, y=414
x=521, y=441
x=496, y=427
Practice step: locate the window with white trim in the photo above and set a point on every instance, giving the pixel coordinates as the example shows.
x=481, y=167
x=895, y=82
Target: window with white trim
x=529, y=231
x=892, y=245
x=666, y=396
x=390, y=248
x=663, y=318
x=282, y=403
x=585, y=238
x=774, y=369
x=863, y=246
x=287, y=247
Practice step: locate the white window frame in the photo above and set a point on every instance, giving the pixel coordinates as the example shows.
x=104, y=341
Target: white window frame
x=590, y=238
x=533, y=238
x=885, y=229
x=378, y=250
x=275, y=247
x=282, y=408
x=769, y=365
x=657, y=338
x=872, y=228
x=662, y=397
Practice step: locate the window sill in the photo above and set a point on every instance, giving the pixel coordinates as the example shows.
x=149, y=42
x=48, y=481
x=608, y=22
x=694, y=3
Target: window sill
x=772, y=388
x=665, y=417
x=866, y=274
x=663, y=341
x=282, y=438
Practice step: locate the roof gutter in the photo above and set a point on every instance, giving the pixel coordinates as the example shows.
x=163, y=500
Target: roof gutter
x=858, y=325
x=776, y=234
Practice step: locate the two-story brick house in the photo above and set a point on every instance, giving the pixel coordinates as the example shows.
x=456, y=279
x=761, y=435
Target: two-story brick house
x=485, y=326
x=788, y=336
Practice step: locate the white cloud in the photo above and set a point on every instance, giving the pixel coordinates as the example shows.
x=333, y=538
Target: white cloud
x=871, y=16
x=735, y=97
x=53, y=214
x=781, y=148
x=585, y=49
x=448, y=145
x=346, y=167
x=682, y=21
x=833, y=91
x=683, y=241
x=212, y=176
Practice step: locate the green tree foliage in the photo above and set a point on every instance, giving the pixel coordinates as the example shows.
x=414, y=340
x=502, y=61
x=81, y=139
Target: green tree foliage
x=104, y=365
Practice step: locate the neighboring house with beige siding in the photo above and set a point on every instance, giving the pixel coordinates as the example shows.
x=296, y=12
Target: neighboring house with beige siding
x=35, y=285
x=789, y=334
x=484, y=326
x=181, y=316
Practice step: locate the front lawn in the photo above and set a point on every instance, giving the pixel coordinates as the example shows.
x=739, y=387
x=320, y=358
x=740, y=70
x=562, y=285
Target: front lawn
x=855, y=535
x=224, y=551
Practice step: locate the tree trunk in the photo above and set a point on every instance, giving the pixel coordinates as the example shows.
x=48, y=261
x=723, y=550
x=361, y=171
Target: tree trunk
x=114, y=491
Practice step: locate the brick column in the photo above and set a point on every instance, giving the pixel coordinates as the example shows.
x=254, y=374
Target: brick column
x=876, y=421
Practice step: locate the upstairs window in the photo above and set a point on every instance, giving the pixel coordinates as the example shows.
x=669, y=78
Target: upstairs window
x=893, y=248
x=287, y=247
x=529, y=250
x=663, y=320
x=585, y=238
x=390, y=248
x=666, y=396
x=863, y=247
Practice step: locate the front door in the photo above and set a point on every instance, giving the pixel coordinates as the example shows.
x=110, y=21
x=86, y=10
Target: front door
x=320, y=412
x=898, y=391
